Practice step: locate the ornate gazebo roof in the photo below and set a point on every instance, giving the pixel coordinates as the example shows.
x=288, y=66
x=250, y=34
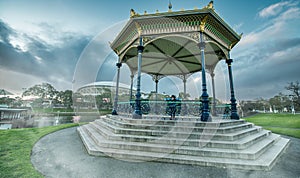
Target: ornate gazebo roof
x=171, y=41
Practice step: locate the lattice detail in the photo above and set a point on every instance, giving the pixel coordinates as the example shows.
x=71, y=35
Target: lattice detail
x=195, y=36
x=157, y=77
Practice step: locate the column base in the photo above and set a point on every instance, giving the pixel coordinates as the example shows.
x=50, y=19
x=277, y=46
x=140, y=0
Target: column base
x=114, y=112
x=136, y=116
x=234, y=116
x=205, y=117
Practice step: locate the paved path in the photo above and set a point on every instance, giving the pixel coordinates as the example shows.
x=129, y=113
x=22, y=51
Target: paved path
x=62, y=154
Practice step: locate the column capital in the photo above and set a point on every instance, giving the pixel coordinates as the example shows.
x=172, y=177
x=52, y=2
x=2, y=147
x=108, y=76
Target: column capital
x=229, y=61
x=119, y=64
x=140, y=48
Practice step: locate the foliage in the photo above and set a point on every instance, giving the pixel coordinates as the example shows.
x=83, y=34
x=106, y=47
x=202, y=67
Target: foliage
x=15, y=150
x=286, y=124
x=294, y=88
x=7, y=101
x=181, y=95
x=65, y=98
x=47, y=93
x=44, y=91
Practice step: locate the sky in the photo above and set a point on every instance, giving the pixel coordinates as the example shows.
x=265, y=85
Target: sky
x=63, y=42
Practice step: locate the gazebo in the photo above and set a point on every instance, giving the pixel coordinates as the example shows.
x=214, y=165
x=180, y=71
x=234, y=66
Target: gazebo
x=179, y=44
x=176, y=44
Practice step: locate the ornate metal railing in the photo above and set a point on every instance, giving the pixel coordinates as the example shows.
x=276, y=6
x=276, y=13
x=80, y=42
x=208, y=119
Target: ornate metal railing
x=162, y=107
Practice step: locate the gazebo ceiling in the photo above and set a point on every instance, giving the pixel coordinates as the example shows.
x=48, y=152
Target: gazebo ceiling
x=173, y=55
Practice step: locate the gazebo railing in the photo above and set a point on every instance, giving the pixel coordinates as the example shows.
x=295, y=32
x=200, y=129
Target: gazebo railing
x=161, y=107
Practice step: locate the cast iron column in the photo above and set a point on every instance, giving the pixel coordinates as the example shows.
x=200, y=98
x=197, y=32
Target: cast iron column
x=205, y=102
x=131, y=86
x=212, y=74
x=184, y=96
x=114, y=112
x=138, y=112
x=184, y=87
x=234, y=114
x=156, y=91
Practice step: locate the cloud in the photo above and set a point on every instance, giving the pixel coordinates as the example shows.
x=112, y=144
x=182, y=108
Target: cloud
x=52, y=62
x=273, y=9
x=268, y=57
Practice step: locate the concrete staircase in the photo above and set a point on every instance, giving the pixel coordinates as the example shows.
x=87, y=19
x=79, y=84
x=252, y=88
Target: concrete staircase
x=221, y=143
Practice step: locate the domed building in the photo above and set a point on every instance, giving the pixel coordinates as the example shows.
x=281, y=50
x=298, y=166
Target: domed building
x=101, y=93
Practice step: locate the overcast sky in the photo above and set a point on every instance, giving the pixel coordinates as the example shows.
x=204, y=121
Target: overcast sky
x=48, y=41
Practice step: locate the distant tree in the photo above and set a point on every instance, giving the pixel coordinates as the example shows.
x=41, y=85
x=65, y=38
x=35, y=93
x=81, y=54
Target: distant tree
x=65, y=98
x=104, y=100
x=17, y=102
x=181, y=95
x=37, y=103
x=294, y=88
x=280, y=102
x=77, y=99
x=248, y=106
x=44, y=91
x=7, y=101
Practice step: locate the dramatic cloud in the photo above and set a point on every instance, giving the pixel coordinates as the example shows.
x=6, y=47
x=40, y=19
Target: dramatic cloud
x=48, y=61
x=268, y=58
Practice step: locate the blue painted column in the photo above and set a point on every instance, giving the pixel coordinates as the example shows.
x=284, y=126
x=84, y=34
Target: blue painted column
x=212, y=74
x=234, y=114
x=138, y=111
x=131, y=86
x=156, y=91
x=115, y=107
x=205, y=101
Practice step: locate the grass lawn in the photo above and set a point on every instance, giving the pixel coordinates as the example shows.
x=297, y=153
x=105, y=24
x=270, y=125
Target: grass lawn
x=15, y=150
x=16, y=144
x=285, y=124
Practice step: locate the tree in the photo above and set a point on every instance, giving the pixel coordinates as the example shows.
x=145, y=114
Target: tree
x=7, y=101
x=65, y=98
x=181, y=95
x=45, y=91
x=294, y=88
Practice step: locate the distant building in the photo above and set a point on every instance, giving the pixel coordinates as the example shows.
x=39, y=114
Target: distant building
x=99, y=88
x=106, y=90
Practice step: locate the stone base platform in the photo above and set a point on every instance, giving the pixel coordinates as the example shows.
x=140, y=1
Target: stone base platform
x=220, y=143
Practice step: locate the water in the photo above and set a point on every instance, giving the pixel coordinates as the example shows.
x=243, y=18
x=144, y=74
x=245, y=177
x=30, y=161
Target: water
x=44, y=121
x=5, y=126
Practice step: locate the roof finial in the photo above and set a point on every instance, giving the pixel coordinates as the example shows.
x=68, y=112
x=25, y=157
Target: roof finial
x=210, y=5
x=133, y=13
x=170, y=6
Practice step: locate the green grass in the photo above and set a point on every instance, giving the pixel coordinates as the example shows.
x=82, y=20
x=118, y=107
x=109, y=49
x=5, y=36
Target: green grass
x=16, y=144
x=285, y=124
x=15, y=150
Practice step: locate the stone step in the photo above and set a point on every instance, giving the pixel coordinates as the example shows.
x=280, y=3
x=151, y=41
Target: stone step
x=178, y=131
x=205, y=140
x=264, y=162
x=129, y=122
x=251, y=153
x=212, y=127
